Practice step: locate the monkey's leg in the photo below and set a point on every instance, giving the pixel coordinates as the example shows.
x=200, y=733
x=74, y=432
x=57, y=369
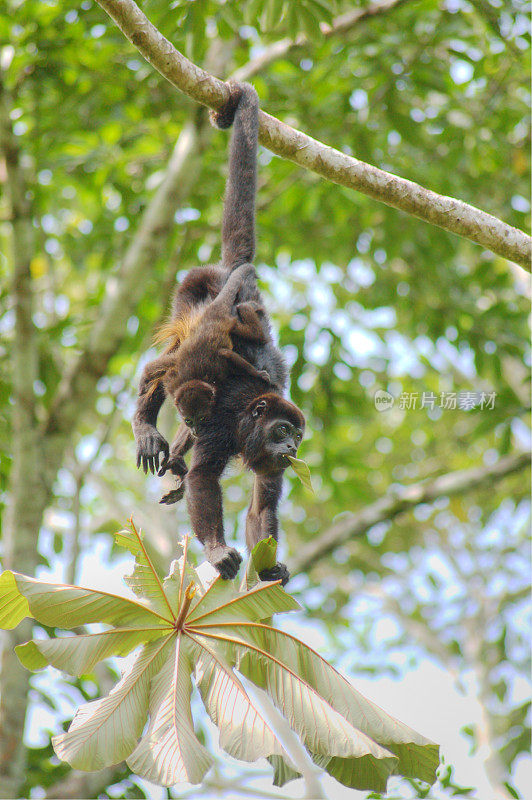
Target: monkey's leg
x=175, y=462
x=151, y=397
x=248, y=323
x=262, y=522
x=237, y=280
x=200, y=286
x=204, y=502
x=241, y=365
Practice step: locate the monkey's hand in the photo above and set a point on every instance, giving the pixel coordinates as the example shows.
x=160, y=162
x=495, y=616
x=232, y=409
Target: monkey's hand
x=225, y=559
x=277, y=573
x=175, y=464
x=150, y=444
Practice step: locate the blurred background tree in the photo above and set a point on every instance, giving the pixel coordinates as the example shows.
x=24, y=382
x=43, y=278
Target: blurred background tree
x=413, y=556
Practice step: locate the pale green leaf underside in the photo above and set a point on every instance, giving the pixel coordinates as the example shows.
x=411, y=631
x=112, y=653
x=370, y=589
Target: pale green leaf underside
x=78, y=655
x=418, y=756
x=244, y=733
x=351, y=738
x=323, y=730
x=105, y=731
x=169, y=751
x=347, y=752
x=66, y=606
x=144, y=580
x=258, y=603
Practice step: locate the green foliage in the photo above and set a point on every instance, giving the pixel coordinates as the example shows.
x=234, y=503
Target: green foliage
x=364, y=298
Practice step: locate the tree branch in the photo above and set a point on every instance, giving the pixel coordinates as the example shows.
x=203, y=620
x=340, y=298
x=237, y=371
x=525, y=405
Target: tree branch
x=404, y=499
x=446, y=212
x=19, y=530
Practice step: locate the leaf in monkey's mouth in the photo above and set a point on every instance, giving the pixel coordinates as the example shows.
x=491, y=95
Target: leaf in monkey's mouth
x=302, y=471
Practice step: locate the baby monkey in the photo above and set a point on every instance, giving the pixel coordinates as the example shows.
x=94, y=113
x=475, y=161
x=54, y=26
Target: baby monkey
x=206, y=357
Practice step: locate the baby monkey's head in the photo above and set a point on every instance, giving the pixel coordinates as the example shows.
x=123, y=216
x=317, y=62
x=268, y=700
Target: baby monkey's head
x=194, y=401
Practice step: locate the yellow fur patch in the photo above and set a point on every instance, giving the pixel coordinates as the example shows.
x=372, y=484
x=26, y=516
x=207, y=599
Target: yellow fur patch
x=175, y=331
x=172, y=333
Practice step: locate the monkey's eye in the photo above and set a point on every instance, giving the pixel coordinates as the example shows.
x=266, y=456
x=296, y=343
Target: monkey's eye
x=189, y=422
x=283, y=430
x=299, y=436
x=203, y=419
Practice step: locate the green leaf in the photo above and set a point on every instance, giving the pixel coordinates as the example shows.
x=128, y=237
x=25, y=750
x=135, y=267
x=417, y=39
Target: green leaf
x=144, y=581
x=263, y=556
x=273, y=13
x=282, y=771
x=302, y=471
x=14, y=606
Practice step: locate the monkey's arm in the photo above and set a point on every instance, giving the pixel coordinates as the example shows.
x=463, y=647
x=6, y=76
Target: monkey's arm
x=151, y=397
x=262, y=522
x=240, y=364
x=204, y=502
x=175, y=461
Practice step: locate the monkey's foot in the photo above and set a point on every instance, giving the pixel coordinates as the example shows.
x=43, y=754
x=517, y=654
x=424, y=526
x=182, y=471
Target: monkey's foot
x=265, y=376
x=226, y=560
x=174, y=496
x=277, y=573
x=174, y=464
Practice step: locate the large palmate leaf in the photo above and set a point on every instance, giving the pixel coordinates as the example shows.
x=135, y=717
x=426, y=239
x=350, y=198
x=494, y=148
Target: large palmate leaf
x=244, y=733
x=187, y=627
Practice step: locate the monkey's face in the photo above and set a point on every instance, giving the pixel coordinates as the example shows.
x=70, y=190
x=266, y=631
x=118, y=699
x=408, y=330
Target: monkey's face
x=277, y=432
x=281, y=438
x=194, y=402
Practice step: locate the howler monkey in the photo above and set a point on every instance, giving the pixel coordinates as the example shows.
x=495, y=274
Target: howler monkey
x=191, y=373
x=262, y=427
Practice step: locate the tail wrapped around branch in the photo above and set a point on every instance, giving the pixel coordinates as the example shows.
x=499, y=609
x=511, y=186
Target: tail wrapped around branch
x=238, y=228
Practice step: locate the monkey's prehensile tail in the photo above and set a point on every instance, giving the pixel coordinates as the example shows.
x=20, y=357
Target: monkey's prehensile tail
x=238, y=229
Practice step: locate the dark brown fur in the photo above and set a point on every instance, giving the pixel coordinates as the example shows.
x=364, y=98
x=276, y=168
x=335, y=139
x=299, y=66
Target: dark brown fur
x=205, y=358
x=244, y=420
